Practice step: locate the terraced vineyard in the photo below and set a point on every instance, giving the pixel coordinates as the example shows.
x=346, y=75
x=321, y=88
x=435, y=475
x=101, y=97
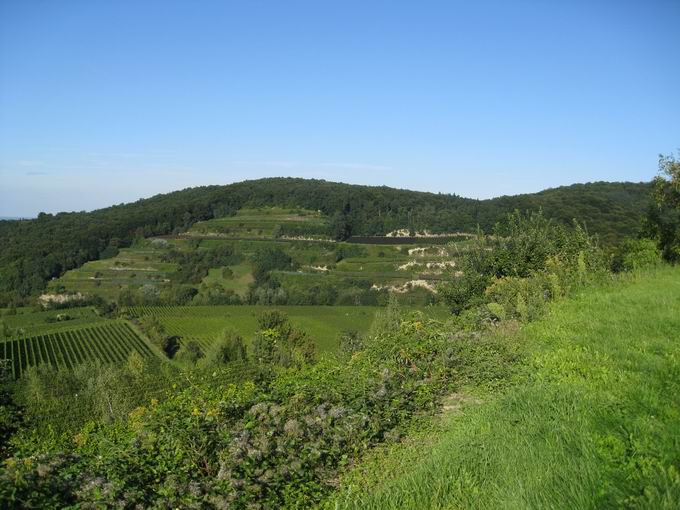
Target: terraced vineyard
x=110, y=342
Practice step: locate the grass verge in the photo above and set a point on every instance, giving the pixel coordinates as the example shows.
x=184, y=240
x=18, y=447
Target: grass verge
x=594, y=423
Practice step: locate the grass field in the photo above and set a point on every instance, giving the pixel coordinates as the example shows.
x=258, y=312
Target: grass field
x=594, y=423
x=323, y=323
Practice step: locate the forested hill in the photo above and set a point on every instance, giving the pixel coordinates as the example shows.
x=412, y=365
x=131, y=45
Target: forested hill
x=33, y=251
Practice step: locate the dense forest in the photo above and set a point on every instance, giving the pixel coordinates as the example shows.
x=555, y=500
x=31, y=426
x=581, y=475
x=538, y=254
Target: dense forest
x=34, y=251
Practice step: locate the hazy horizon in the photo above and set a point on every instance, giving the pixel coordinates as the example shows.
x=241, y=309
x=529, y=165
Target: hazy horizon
x=103, y=103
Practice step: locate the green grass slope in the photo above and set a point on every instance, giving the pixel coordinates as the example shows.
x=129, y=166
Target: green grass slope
x=594, y=423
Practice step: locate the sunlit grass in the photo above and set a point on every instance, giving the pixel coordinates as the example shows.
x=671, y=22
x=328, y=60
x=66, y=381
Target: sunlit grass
x=595, y=423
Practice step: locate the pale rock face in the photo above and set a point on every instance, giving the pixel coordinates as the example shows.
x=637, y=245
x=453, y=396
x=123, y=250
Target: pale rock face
x=404, y=232
x=46, y=299
x=410, y=285
x=421, y=252
x=434, y=267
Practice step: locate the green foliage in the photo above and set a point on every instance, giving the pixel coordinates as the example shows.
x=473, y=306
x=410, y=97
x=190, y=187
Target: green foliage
x=10, y=412
x=351, y=341
x=591, y=421
x=194, y=264
x=229, y=347
x=663, y=221
x=278, y=342
x=528, y=260
x=58, y=403
x=71, y=239
x=267, y=259
x=634, y=254
x=273, y=445
x=66, y=347
x=272, y=427
x=155, y=331
x=519, y=298
x=189, y=353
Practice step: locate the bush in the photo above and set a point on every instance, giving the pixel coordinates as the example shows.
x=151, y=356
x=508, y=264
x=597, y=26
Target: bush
x=519, y=298
x=189, y=353
x=527, y=261
x=278, y=343
x=227, y=348
x=633, y=254
x=351, y=341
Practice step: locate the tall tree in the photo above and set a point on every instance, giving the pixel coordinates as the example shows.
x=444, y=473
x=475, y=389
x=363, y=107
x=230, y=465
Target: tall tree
x=664, y=214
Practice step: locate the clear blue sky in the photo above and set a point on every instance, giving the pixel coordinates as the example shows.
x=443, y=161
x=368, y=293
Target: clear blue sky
x=105, y=102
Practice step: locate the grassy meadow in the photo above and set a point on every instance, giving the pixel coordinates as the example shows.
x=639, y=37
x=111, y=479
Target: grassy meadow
x=593, y=420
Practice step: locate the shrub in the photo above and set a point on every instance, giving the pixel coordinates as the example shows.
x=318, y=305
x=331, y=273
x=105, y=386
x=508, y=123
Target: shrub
x=351, y=341
x=500, y=268
x=278, y=343
x=520, y=298
x=227, y=348
x=633, y=254
x=189, y=353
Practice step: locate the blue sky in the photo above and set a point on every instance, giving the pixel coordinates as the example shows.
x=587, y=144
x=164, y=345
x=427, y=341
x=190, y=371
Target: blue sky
x=106, y=102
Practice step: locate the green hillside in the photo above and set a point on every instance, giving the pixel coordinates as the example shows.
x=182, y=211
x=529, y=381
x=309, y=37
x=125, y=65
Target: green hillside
x=34, y=251
x=593, y=422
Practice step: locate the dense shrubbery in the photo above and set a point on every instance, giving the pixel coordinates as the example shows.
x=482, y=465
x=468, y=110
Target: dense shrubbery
x=155, y=331
x=634, y=254
x=526, y=262
x=268, y=259
x=275, y=443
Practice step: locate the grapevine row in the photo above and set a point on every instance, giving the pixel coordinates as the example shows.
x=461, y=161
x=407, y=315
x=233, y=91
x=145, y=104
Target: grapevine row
x=107, y=343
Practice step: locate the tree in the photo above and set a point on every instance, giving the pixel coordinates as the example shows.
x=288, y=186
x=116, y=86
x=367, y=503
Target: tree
x=663, y=221
x=228, y=347
x=189, y=353
x=279, y=343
